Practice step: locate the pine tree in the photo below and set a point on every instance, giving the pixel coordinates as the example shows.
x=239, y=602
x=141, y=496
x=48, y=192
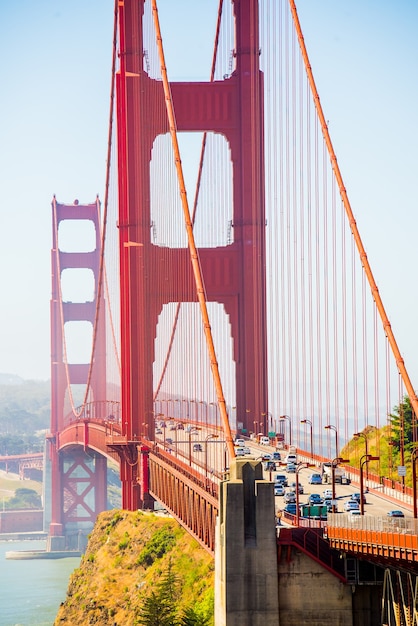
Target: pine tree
x=160, y=607
x=156, y=611
x=190, y=617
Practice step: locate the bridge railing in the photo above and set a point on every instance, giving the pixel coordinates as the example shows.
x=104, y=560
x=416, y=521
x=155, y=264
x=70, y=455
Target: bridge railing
x=403, y=525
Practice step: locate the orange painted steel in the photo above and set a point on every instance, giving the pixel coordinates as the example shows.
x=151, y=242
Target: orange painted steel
x=353, y=225
x=184, y=492
x=189, y=496
x=379, y=544
x=194, y=255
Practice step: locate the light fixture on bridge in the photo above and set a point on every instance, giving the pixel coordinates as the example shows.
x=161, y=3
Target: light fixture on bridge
x=334, y=428
x=286, y=417
x=306, y=421
x=364, y=461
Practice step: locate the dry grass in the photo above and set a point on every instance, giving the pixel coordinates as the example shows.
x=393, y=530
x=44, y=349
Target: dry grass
x=119, y=569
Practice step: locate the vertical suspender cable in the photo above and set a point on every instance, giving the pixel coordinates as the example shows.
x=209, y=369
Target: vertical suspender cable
x=190, y=236
x=363, y=256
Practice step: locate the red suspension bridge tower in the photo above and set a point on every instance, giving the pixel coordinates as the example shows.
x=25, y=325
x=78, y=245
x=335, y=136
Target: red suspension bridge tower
x=234, y=274
x=78, y=475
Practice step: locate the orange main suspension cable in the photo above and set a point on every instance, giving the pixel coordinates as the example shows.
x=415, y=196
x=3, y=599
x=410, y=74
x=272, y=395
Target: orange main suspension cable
x=191, y=242
x=363, y=256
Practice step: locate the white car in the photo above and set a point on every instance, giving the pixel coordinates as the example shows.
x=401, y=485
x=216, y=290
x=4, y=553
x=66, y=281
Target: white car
x=239, y=451
x=239, y=442
x=247, y=450
x=327, y=493
x=351, y=505
x=291, y=458
x=279, y=490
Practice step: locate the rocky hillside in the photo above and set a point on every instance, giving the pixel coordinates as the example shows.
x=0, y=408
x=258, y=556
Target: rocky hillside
x=140, y=568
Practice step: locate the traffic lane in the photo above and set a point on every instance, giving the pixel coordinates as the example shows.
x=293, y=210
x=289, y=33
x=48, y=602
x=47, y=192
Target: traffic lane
x=376, y=504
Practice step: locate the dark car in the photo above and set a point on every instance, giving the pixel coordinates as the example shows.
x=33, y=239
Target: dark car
x=315, y=498
x=356, y=497
x=328, y=503
x=169, y=441
x=281, y=479
x=395, y=513
x=290, y=508
x=276, y=456
x=197, y=447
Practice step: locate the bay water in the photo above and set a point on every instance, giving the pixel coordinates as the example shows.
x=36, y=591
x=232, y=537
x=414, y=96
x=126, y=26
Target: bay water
x=31, y=591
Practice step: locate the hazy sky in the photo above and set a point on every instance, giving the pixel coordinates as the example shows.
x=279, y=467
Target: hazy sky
x=55, y=68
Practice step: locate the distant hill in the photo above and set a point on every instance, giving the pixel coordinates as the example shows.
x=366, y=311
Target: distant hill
x=25, y=408
x=10, y=379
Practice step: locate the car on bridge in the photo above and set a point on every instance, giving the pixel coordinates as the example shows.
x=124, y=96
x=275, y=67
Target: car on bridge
x=395, y=513
x=327, y=494
x=315, y=479
x=269, y=466
x=357, y=496
x=239, y=442
x=169, y=441
x=289, y=497
x=290, y=508
x=293, y=487
x=197, y=447
x=281, y=479
x=291, y=458
x=351, y=505
x=328, y=503
x=291, y=468
x=279, y=490
x=315, y=498
x=276, y=456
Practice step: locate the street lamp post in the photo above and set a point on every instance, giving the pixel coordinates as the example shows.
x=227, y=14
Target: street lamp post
x=414, y=458
x=164, y=427
x=208, y=438
x=306, y=421
x=190, y=433
x=356, y=435
x=267, y=417
x=299, y=467
x=334, y=428
x=363, y=461
x=334, y=463
x=286, y=417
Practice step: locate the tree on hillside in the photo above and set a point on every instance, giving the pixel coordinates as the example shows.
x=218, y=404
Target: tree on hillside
x=160, y=607
x=191, y=617
x=24, y=498
x=403, y=425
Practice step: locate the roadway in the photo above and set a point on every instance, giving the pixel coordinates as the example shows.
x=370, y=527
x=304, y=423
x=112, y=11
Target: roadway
x=376, y=504
x=212, y=455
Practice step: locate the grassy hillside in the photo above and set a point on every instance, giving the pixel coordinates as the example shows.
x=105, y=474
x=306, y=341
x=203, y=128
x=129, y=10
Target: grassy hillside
x=128, y=558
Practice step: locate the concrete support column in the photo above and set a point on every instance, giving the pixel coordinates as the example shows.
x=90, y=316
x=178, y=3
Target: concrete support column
x=246, y=568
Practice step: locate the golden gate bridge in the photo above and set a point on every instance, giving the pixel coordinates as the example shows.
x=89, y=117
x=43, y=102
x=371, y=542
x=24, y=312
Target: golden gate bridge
x=230, y=292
